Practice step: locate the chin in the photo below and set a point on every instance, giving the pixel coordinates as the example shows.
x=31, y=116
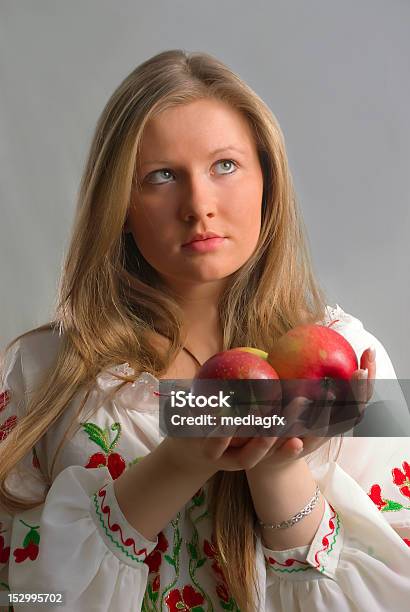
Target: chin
x=209, y=278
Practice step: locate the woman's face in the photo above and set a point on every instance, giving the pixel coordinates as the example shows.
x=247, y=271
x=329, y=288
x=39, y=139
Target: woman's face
x=189, y=187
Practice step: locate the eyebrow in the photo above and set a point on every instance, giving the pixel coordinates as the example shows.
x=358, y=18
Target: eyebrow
x=211, y=154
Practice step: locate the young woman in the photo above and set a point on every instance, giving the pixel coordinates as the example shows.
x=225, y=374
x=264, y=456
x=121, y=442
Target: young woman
x=96, y=503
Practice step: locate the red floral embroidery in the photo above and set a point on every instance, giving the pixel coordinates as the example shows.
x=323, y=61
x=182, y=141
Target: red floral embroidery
x=30, y=545
x=291, y=561
x=156, y=584
x=325, y=540
x=114, y=461
x=225, y=597
x=402, y=479
x=4, y=550
x=288, y=562
x=210, y=551
x=222, y=592
x=153, y=560
x=7, y=426
x=35, y=461
x=115, y=527
x=189, y=600
x=29, y=552
x=376, y=497
x=4, y=399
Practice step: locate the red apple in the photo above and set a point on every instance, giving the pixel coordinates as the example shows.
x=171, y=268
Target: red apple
x=237, y=363
x=313, y=359
x=242, y=363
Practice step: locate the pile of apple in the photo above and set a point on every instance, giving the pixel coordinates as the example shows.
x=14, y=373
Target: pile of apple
x=309, y=360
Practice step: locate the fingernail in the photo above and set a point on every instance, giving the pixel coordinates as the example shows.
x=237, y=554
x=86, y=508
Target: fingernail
x=372, y=353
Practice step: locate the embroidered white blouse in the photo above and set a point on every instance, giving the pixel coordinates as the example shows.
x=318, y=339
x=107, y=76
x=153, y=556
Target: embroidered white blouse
x=79, y=542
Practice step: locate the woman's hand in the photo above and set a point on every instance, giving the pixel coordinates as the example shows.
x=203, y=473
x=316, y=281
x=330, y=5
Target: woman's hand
x=211, y=454
x=286, y=449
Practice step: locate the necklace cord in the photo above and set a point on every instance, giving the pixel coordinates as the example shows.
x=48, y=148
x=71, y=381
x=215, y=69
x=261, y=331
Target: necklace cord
x=192, y=355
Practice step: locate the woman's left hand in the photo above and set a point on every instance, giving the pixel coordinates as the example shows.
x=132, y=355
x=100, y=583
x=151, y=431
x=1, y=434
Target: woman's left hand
x=287, y=449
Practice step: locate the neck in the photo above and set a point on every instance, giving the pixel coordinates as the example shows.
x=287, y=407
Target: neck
x=201, y=329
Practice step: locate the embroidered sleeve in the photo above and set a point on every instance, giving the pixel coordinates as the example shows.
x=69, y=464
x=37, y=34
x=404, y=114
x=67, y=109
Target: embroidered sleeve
x=121, y=538
x=322, y=555
x=76, y=540
x=355, y=557
x=27, y=478
x=391, y=495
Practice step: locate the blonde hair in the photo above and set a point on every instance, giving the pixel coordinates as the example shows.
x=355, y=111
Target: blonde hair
x=111, y=301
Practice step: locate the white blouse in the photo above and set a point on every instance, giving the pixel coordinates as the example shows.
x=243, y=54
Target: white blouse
x=79, y=542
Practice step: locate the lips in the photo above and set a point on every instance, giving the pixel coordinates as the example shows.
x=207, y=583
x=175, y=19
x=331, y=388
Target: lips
x=204, y=246
x=202, y=236
x=202, y=239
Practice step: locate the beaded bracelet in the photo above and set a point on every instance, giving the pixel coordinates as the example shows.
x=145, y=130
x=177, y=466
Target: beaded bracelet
x=298, y=516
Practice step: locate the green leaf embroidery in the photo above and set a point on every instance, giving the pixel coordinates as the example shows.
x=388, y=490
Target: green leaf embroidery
x=115, y=427
x=177, y=547
x=152, y=595
x=32, y=536
x=391, y=505
x=198, y=501
x=193, y=550
x=201, y=562
x=97, y=435
x=4, y=584
x=170, y=560
x=106, y=434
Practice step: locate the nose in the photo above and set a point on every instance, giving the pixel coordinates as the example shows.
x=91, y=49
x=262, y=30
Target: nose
x=198, y=200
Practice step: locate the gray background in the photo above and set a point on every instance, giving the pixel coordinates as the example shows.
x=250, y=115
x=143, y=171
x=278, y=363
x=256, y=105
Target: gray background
x=335, y=74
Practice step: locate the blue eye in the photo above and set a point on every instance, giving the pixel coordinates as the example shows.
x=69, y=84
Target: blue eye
x=157, y=172
x=166, y=170
x=229, y=162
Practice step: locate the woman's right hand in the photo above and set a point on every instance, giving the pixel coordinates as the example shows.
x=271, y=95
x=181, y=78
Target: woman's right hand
x=210, y=454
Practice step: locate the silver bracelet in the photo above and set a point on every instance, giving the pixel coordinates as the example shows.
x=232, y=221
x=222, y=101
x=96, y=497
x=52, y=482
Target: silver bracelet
x=298, y=516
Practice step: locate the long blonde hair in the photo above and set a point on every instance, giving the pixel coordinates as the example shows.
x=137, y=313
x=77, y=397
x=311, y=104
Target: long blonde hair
x=111, y=301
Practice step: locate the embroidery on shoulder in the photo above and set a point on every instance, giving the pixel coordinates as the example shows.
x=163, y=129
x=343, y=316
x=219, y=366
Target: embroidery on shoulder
x=30, y=544
x=4, y=399
x=102, y=437
x=7, y=426
x=4, y=550
x=401, y=478
x=11, y=421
